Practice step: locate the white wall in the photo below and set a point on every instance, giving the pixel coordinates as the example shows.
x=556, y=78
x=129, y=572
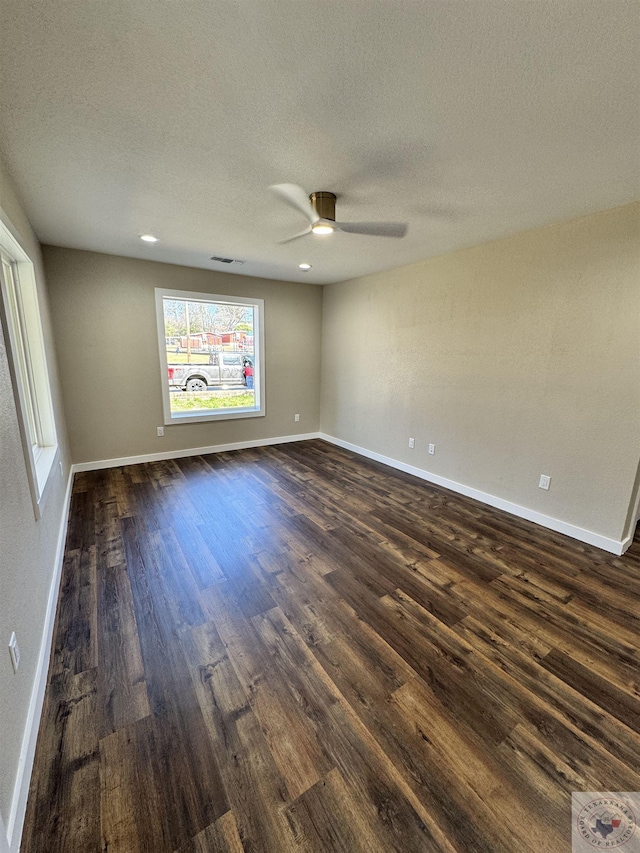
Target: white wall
x=515, y=358
x=27, y=549
x=4, y=843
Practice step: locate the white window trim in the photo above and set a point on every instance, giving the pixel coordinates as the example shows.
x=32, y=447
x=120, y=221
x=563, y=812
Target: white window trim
x=259, y=410
x=34, y=390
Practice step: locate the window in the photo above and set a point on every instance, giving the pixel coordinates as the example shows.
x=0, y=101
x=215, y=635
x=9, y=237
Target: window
x=211, y=356
x=27, y=361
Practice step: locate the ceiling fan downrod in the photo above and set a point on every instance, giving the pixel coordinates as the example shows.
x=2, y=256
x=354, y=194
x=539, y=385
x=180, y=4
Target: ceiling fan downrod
x=324, y=204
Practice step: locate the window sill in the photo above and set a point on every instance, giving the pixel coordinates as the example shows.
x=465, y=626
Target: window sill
x=44, y=467
x=201, y=417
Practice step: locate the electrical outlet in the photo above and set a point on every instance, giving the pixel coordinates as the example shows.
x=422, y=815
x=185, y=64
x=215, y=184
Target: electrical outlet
x=14, y=651
x=545, y=482
x=61, y=468
x=432, y=449
x=160, y=431
x=296, y=418
x=412, y=442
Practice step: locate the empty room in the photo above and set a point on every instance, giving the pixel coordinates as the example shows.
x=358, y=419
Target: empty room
x=320, y=426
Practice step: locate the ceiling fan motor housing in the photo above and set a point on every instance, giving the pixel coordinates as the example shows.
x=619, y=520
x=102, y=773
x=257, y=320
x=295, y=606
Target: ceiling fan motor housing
x=324, y=204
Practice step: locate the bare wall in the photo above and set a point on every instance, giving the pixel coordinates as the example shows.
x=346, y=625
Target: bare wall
x=27, y=546
x=105, y=325
x=515, y=358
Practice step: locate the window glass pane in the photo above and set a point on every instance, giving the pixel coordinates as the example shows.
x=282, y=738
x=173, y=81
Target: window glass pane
x=20, y=354
x=210, y=348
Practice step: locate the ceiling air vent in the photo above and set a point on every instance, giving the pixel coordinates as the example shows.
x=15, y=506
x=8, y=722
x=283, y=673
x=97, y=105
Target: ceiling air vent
x=226, y=260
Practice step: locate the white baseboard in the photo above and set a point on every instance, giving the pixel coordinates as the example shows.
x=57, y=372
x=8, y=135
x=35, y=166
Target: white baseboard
x=624, y=543
x=30, y=737
x=192, y=451
x=614, y=546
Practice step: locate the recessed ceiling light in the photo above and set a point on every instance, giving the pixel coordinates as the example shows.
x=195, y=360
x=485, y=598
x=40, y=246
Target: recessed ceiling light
x=148, y=238
x=305, y=267
x=322, y=228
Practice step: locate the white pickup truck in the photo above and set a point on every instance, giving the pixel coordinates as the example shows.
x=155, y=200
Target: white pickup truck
x=217, y=369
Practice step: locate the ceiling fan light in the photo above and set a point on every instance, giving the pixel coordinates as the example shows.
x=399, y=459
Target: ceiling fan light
x=322, y=228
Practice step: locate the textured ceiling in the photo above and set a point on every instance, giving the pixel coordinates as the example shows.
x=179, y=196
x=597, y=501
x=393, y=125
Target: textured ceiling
x=467, y=120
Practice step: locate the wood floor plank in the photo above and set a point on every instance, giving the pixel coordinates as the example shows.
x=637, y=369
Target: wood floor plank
x=565, y=627
x=64, y=800
x=194, y=793
x=221, y=837
x=122, y=691
x=132, y=803
x=256, y=789
x=559, y=719
x=457, y=677
x=569, y=626
x=621, y=705
x=502, y=808
x=108, y=536
x=331, y=818
x=403, y=746
x=405, y=823
x=119, y=482
x=202, y=564
x=323, y=619
x=367, y=672
x=75, y=647
x=292, y=648
x=249, y=590
x=587, y=736
x=173, y=567
x=290, y=733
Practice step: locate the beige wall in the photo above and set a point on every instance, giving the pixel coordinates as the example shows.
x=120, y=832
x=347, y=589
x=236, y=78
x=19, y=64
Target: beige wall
x=516, y=358
x=105, y=324
x=27, y=546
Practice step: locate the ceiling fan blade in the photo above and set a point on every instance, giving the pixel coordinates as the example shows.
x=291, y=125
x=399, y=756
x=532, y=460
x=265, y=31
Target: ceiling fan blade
x=295, y=236
x=374, y=229
x=297, y=198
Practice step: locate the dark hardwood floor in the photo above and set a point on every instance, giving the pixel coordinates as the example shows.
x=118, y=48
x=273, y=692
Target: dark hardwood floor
x=292, y=648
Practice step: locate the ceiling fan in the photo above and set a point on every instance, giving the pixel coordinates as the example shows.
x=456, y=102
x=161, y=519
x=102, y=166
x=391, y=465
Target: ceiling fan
x=320, y=210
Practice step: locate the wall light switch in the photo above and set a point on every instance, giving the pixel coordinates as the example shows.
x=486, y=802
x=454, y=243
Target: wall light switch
x=412, y=442
x=160, y=431
x=544, y=481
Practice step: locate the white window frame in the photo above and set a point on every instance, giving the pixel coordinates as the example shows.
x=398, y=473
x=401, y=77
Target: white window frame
x=256, y=411
x=26, y=355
